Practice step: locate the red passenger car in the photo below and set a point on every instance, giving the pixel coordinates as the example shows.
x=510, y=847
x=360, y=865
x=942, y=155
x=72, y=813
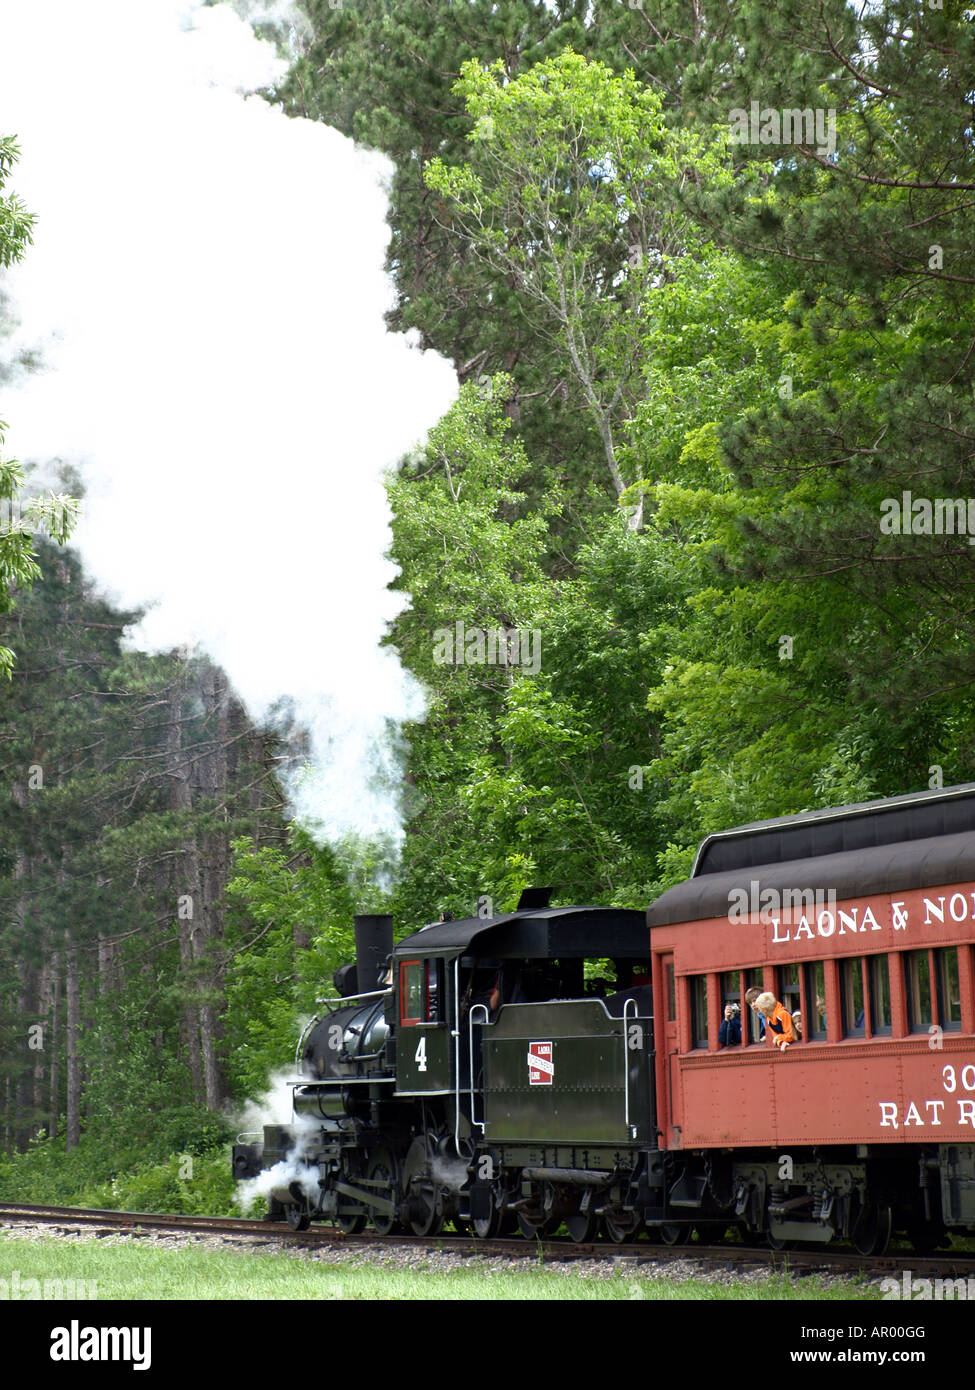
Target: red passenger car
x=862, y=921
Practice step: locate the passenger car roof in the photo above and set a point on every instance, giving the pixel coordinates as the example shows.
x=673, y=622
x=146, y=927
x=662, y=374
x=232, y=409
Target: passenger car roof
x=894, y=868
x=863, y=825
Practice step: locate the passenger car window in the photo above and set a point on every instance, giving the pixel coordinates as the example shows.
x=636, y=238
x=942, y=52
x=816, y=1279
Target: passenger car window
x=949, y=987
x=917, y=982
x=852, y=1004
x=699, y=1010
x=814, y=1019
x=879, y=976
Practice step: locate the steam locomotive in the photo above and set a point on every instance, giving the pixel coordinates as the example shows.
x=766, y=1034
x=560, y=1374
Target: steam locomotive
x=565, y=1065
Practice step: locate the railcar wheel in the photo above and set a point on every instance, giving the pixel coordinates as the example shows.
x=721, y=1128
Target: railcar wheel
x=777, y=1243
x=487, y=1227
x=925, y=1239
x=382, y=1172
x=624, y=1225
x=871, y=1234
x=531, y=1229
x=297, y=1216
x=582, y=1226
x=675, y=1235
x=712, y=1235
x=350, y=1225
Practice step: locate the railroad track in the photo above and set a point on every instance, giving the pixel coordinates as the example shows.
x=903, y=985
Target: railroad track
x=946, y=1265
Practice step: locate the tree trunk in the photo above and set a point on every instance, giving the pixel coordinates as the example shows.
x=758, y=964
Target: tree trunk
x=185, y=885
x=44, y=1051
x=54, y=1046
x=73, y=1126
x=213, y=775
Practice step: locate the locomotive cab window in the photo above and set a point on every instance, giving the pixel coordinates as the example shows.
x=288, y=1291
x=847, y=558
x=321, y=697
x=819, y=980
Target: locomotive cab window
x=434, y=981
x=420, y=990
x=412, y=1002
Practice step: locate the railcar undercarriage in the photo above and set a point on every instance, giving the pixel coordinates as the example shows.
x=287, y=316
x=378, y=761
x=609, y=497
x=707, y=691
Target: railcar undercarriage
x=393, y=1179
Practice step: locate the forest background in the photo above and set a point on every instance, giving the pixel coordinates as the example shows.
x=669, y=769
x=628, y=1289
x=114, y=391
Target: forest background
x=701, y=343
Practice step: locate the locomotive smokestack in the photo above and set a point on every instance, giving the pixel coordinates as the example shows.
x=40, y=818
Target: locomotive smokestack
x=373, y=943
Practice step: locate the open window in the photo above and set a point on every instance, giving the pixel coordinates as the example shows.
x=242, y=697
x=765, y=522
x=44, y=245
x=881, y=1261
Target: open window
x=732, y=997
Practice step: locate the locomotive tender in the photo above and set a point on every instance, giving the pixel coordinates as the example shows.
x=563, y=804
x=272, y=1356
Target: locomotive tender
x=483, y=1076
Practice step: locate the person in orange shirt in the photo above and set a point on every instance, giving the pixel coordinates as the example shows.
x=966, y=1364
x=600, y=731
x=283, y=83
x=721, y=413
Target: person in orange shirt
x=779, y=1028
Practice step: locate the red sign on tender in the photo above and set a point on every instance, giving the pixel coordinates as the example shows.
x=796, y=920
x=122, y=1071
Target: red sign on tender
x=541, y=1068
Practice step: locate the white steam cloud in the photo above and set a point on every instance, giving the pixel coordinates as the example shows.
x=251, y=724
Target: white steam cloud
x=275, y=1107
x=207, y=293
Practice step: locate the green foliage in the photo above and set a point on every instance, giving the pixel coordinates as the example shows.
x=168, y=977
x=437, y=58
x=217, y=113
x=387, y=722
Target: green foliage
x=16, y=223
x=289, y=928
x=102, y=1172
x=567, y=194
x=54, y=514
x=692, y=372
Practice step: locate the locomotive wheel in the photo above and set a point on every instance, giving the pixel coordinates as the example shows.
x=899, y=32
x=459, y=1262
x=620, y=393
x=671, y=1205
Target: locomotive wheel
x=675, y=1235
x=297, y=1216
x=430, y=1223
x=871, y=1234
x=382, y=1170
x=350, y=1225
x=621, y=1227
x=582, y=1226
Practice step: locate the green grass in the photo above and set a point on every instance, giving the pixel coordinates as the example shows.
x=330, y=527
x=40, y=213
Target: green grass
x=133, y=1271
